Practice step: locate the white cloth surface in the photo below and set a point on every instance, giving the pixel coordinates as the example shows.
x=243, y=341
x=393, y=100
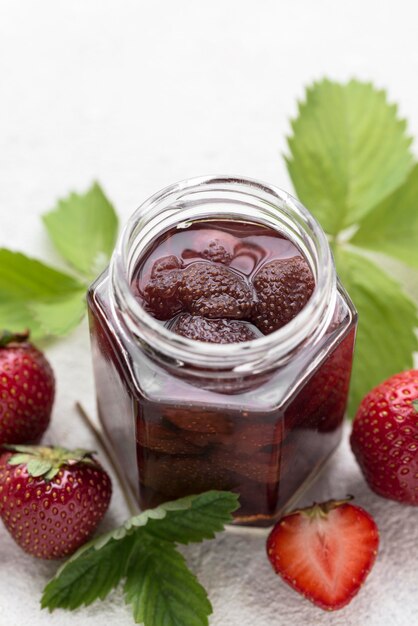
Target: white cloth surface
x=139, y=95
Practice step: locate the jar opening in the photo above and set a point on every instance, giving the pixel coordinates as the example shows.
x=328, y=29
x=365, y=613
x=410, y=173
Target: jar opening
x=223, y=198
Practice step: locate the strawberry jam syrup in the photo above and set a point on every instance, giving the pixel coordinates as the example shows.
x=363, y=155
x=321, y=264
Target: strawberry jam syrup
x=224, y=270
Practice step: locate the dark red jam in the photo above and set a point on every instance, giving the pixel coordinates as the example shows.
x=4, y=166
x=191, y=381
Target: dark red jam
x=223, y=282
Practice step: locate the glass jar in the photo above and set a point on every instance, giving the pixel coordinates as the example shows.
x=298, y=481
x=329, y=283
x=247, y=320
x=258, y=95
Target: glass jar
x=259, y=418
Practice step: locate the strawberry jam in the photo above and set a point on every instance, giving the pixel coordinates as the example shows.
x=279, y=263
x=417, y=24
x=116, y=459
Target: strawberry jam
x=216, y=365
x=197, y=280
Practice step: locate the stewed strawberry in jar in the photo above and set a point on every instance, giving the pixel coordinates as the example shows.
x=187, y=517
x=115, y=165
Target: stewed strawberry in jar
x=222, y=346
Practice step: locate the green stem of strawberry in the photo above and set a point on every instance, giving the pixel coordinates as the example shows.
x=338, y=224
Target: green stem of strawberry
x=6, y=337
x=322, y=509
x=111, y=457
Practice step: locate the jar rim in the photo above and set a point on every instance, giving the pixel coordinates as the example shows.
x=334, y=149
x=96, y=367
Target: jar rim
x=270, y=203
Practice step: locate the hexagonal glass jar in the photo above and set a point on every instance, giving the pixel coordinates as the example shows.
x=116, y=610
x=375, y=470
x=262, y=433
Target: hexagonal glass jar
x=259, y=418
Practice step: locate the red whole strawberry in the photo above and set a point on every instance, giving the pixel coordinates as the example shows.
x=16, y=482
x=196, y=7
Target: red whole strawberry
x=384, y=438
x=161, y=292
x=51, y=499
x=27, y=389
x=213, y=290
x=214, y=331
x=283, y=287
x=325, y=552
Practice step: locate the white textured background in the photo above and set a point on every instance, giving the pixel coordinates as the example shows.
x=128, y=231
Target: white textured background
x=139, y=95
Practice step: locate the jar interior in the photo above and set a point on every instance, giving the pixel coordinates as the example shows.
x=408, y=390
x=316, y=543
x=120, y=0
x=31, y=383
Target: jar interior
x=238, y=200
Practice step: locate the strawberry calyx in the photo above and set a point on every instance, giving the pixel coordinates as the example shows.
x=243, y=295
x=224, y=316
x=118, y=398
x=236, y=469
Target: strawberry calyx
x=415, y=404
x=321, y=509
x=46, y=461
x=7, y=337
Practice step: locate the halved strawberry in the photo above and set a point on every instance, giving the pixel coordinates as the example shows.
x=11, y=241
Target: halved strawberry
x=325, y=552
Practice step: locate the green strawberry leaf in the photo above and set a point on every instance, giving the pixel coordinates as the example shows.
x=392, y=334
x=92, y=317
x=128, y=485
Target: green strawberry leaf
x=349, y=150
x=18, y=459
x=25, y=279
x=158, y=584
x=38, y=467
x=28, y=287
x=415, y=404
x=46, y=461
x=188, y=519
x=17, y=315
x=387, y=320
x=90, y=576
x=161, y=589
x=83, y=228
x=206, y=516
x=58, y=317
x=392, y=227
